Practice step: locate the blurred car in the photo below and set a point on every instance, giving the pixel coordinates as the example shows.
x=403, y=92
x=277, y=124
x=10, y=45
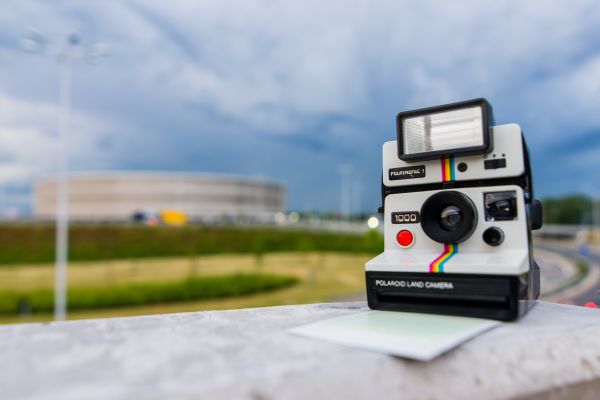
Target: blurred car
x=149, y=218
x=173, y=217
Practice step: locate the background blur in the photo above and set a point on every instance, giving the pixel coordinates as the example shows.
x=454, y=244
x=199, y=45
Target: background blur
x=227, y=153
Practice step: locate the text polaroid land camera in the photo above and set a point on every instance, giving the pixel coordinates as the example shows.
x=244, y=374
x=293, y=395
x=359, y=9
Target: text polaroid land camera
x=459, y=209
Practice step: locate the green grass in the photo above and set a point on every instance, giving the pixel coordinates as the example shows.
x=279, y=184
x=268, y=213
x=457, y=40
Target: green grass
x=194, y=288
x=31, y=243
x=322, y=277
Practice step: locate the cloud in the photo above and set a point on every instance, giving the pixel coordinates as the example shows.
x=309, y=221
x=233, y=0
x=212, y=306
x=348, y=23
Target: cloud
x=24, y=139
x=29, y=142
x=281, y=88
x=570, y=101
x=274, y=65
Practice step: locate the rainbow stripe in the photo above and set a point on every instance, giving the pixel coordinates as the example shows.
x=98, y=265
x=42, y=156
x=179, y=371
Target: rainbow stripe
x=437, y=265
x=447, y=169
x=450, y=250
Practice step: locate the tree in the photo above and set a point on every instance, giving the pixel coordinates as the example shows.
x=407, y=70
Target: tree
x=571, y=209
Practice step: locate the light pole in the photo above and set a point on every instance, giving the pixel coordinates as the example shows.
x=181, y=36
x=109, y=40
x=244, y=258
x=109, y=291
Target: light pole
x=34, y=42
x=356, y=195
x=345, y=191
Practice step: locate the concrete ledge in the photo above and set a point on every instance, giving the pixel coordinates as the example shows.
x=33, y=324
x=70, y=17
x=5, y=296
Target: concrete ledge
x=553, y=352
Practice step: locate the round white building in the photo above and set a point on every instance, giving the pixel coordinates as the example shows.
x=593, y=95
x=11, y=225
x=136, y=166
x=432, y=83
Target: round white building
x=120, y=195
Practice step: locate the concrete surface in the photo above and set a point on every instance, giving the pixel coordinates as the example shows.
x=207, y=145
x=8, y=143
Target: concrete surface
x=554, y=352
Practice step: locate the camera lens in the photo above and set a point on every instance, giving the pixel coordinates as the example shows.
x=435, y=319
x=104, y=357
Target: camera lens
x=451, y=218
x=448, y=217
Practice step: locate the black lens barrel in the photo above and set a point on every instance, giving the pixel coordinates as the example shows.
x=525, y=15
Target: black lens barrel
x=438, y=217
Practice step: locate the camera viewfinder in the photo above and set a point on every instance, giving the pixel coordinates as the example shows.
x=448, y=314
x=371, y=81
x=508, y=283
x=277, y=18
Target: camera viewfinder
x=500, y=206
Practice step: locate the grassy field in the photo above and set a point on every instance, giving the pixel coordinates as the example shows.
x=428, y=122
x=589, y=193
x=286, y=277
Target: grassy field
x=322, y=276
x=34, y=243
x=15, y=302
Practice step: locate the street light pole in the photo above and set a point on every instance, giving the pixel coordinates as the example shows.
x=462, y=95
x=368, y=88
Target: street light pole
x=345, y=192
x=62, y=189
x=34, y=42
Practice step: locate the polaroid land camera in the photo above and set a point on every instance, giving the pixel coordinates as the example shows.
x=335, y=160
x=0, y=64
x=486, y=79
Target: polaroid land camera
x=458, y=212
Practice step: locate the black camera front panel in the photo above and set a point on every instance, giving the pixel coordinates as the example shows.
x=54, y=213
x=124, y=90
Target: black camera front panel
x=472, y=295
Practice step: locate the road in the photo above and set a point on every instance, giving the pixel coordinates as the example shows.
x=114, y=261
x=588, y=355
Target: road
x=556, y=271
x=590, y=294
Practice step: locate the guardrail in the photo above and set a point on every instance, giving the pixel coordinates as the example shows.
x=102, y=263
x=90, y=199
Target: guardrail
x=566, y=231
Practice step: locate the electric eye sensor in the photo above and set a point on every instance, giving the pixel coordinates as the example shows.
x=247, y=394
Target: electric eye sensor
x=458, y=205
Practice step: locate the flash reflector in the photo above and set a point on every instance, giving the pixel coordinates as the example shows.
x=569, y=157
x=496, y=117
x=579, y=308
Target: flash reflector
x=443, y=131
x=459, y=128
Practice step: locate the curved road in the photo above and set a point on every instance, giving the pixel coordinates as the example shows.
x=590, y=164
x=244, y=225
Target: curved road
x=589, y=295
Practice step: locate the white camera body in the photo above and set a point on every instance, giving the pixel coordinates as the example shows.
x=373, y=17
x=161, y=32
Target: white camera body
x=458, y=232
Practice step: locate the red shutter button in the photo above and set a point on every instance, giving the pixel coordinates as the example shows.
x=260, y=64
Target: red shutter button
x=405, y=238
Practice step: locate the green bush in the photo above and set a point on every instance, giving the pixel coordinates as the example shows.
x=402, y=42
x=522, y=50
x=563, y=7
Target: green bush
x=571, y=209
x=21, y=244
x=197, y=288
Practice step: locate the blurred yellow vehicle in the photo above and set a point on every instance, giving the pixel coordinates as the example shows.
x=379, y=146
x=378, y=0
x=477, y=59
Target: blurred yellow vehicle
x=173, y=217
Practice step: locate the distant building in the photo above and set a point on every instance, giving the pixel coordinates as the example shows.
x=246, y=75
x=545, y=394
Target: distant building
x=120, y=195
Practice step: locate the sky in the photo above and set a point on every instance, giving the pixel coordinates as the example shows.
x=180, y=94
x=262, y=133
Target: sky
x=295, y=91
